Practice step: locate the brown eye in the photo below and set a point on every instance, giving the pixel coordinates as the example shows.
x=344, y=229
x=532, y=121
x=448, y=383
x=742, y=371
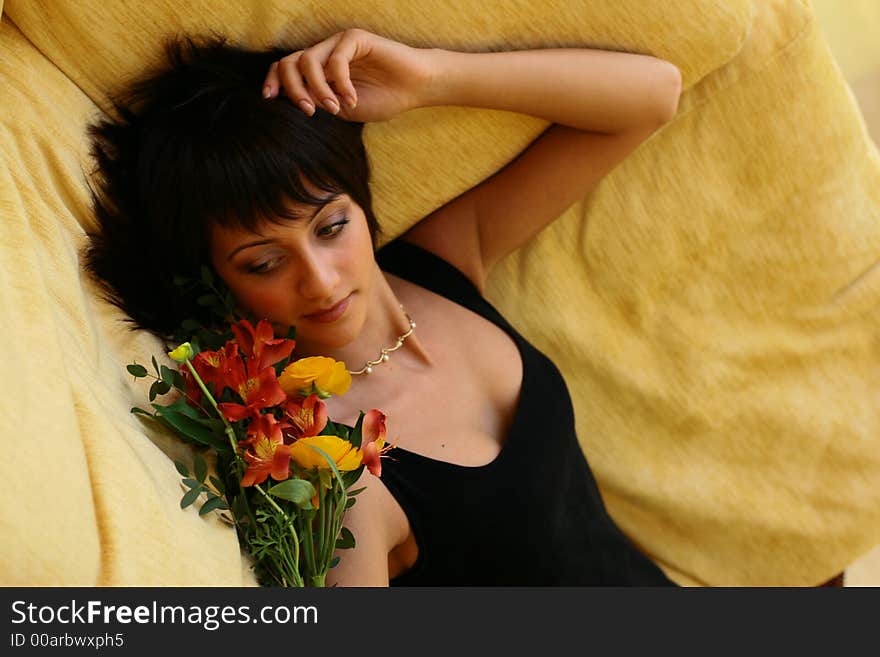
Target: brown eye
x=263, y=267
x=331, y=230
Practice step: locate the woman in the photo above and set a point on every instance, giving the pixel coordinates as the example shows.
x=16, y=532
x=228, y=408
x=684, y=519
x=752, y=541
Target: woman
x=487, y=484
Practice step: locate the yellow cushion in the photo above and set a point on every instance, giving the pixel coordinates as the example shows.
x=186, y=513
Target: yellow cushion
x=712, y=304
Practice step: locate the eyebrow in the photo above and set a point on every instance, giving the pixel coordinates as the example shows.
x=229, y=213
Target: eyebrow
x=327, y=201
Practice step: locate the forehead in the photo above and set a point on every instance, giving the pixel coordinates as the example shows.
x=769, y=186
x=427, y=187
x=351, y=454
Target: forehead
x=297, y=216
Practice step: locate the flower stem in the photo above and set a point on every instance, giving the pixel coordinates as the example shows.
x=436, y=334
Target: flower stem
x=230, y=432
x=233, y=442
x=297, y=577
x=322, y=537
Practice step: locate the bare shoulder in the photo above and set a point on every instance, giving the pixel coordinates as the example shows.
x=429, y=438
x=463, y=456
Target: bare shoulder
x=451, y=233
x=378, y=525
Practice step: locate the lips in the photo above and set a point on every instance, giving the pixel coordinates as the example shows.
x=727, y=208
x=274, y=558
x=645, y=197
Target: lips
x=330, y=314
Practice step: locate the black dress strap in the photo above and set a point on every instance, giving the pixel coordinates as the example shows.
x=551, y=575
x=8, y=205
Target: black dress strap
x=415, y=264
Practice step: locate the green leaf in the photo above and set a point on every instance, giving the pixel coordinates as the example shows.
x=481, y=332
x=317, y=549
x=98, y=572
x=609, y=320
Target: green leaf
x=180, y=406
x=213, y=503
x=158, y=388
x=180, y=280
x=298, y=491
x=200, y=468
x=350, y=502
x=218, y=485
x=355, y=436
x=207, y=276
x=349, y=478
x=173, y=378
x=207, y=299
x=161, y=387
x=194, y=429
x=334, y=562
x=337, y=429
x=345, y=540
x=190, y=497
x=181, y=468
x=191, y=483
x=137, y=371
x=356, y=491
x=155, y=364
x=165, y=373
x=229, y=301
x=190, y=325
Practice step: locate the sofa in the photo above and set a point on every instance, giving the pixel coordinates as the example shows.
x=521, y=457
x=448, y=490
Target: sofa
x=714, y=304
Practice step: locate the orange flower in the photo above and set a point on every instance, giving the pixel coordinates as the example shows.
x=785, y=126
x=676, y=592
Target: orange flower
x=373, y=441
x=259, y=344
x=257, y=390
x=308, y=416
x=265, y=452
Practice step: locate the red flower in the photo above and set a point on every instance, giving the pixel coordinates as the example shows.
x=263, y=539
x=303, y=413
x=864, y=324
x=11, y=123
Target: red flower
x=259, y=344
x=265, y=453
x=308, y=416
x=373, y=441
x=257, y=390
x=214, y=368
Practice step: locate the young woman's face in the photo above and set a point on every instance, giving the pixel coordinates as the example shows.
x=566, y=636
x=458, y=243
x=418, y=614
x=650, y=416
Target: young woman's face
x=315, y=272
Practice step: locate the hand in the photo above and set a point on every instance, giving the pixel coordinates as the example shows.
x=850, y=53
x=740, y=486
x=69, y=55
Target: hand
x=355, y=74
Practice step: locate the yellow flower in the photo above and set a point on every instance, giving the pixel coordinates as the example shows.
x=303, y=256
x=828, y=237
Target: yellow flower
x=315, y=375
x=344, y=454
x=182, y=354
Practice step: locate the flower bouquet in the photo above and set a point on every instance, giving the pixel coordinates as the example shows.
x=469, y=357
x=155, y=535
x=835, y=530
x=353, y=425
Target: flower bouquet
x=283, y=470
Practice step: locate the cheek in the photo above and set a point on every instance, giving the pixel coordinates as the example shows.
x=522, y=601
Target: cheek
x=266, y=299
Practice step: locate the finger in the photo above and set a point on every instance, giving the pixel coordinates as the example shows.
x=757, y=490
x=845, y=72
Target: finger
x=272, y=83
x=311, y=66
x=338, y=70
x=294, y=85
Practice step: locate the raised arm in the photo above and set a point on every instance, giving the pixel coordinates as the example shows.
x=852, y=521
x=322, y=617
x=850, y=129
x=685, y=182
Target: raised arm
x=593, y=90
x=604, y=104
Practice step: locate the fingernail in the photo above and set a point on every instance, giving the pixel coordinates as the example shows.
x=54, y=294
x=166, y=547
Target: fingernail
x=267, y=91
x=350, y=101
x=306, y=107
x=331, y=105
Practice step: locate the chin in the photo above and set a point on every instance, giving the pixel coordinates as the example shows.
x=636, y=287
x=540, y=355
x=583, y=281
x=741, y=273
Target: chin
x=331, y=336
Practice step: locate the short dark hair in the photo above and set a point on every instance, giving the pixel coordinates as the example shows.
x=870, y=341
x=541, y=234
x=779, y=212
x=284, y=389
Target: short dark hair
x=197, y=144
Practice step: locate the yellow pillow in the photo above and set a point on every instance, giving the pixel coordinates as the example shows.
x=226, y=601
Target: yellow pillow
x=713, y=304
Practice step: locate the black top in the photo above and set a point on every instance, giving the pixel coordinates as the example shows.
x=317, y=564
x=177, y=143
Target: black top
x=533, y=516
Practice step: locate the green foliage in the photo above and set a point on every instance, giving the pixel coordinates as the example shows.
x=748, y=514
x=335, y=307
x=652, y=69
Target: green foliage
x=298, y=491
x=200, y=431
x=200, y=468
x=345, y=540
x=213, y=503
x=191, y=496
x=355, y=436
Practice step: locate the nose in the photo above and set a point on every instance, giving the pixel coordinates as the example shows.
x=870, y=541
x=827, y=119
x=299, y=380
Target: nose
x=317, y=277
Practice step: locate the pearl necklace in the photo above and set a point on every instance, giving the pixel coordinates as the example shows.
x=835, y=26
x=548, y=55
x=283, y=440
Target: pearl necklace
x=383, y=354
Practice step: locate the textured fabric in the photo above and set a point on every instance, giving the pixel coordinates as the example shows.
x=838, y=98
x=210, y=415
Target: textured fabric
x=721, y=339
x=533, y=516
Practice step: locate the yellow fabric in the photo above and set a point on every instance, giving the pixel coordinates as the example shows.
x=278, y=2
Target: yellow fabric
x=852, y=29
x=713, y=304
